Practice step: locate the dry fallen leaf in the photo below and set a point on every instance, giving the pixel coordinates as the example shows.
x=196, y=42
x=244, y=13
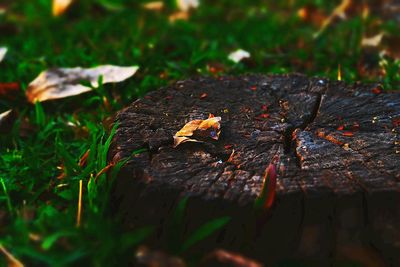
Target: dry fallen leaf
x=372, y=41
x=63, y=82
x=238, y=55
x=12, y=261
x=184, y=8
x=189, y=128
x=180, y=15
x=7, y=120
x=156, y=5
x=60, y=6
x=3, y=52
x=185, y=5
x=339, y=11
x=209, y=128
x=3, y=10
x=221, y=257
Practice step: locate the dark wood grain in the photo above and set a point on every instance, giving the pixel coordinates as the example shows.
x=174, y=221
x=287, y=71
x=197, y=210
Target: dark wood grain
x=338, y=147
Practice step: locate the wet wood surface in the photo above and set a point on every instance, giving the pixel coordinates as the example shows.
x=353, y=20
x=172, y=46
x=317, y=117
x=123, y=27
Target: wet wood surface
x=338, y=151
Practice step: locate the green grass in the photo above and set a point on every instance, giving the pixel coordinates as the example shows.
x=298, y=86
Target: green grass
x=37, y=209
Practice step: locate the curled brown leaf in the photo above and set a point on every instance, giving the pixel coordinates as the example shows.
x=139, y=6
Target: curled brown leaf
x=63, y=82
x=209, y=128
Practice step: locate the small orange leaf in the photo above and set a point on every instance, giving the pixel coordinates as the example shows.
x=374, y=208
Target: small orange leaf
x=349, y=134
x=203, y=95
x=228, y=146
x=377, y=90
x=155, y=5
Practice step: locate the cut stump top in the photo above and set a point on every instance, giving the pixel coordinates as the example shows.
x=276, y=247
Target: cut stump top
x=333, y=141
x=331, y=138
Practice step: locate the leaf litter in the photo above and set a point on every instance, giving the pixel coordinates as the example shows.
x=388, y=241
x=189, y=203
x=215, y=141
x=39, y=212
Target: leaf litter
x=59, y=7
x=64, y=82
x=184, y=7
x=3, y=52
x=238, y=55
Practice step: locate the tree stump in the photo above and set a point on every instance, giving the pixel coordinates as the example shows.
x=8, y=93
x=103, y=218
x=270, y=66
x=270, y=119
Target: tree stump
x=338, y=181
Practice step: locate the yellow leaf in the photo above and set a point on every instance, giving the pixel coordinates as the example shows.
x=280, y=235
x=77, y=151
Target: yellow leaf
x=60, y=6
x=209, y=128
x=156, y=5
x=189, y=128
x=213, y=125
x=339, y=11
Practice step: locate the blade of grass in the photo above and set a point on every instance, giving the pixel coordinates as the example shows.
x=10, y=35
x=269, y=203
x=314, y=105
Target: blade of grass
x=49, y=241
x=204, y=231
x=79, y=213
x=8, y=200
x=135, y=237
x=176, y=227
x=40, y=117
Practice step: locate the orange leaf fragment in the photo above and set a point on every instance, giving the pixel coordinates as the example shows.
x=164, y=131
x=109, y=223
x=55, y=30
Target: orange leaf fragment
x=155, y=5
x=349, y=134
x=228, y=146
x=377, y=90
x=203, y=95
x=179, y=15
